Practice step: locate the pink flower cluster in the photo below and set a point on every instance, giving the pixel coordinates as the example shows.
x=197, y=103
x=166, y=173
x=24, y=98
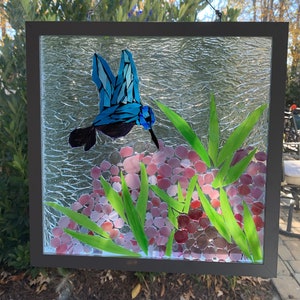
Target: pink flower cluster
x=165, y=168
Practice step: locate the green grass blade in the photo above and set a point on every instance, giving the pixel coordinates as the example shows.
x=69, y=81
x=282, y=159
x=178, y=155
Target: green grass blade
x=172, y=203
x=133, y=218
x=229, y=174
x=186, y=131
x=251, y=234
x=216, y=219
x=141, y=203
x=239, y=135
x=172, y=216
x=213, y=132
x=114, y=198
x=238, y=169
x=233, y=227
x=189, y=194
x=223, y=171
x=180, y=196
x=169, y=244
x=79, y=218
x=175, y=208
x=101, y=243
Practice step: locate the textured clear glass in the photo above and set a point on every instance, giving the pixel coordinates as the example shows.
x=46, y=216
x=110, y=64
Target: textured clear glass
x=180, y=72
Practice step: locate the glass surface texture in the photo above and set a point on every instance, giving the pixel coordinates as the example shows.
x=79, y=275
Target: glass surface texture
x=181, y=73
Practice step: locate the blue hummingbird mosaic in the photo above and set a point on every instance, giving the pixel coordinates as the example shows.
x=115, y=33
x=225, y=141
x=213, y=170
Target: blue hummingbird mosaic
x=120, y=106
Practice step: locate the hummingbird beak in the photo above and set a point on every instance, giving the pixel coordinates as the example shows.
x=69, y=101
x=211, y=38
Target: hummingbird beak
x=154, y=139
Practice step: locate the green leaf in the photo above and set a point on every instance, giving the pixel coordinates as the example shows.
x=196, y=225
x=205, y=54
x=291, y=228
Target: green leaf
x=182, y=11
x=189, y=194
x=79, y=218
x=216, y=219
x=213, y=132
x=114, y=198
x=175, y=208
x=229, y=174
x=238, y=169
x=141, y=203
x=231, y=223
x=186, y=131
x=101, y=243
x=219, y=179
x=133, y=218
x=180, y=196
x=169, y=244
x=12, y=106
x=239, y=135
x=172, y=203
x=172, y=216
x=251, y=234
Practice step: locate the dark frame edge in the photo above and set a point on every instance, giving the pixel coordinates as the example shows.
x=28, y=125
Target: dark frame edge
x=278, y=31
x=34, y=130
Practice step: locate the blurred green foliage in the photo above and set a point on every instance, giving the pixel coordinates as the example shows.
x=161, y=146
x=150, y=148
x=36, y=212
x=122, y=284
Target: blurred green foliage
x=293, y=87
x=147, y=10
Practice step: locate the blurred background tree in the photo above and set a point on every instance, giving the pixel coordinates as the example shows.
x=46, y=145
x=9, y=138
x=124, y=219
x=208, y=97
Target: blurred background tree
x=274, y=11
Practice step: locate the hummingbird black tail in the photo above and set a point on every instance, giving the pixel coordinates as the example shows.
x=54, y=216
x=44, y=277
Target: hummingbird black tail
x=83, y=136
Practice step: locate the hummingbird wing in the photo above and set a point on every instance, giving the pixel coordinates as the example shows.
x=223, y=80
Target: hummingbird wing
x=104, y=80
x=127, y=81
x=119, y=96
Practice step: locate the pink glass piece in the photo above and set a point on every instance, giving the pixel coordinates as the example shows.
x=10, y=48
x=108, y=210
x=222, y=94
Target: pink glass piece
x=193, y=156
x=159, y=222
x=159, y=157
x=256, y=193
x=61, y=249
x=57, y=232
x=151, y=169
x=133, y=180
x=105, y=165
x=185, y=163
x=126, y=151
x=246, y=179
x=96, y=184
x=259, y=180
x=55, y=242
x=261, y=156
x=200, y=166
x=107, y=226
x=114, y=170
x=63, y=222
x=146, y=160
x=151, y=232
x=189, y=172
x=76, y=206
x=95, y=216
x=155, y=201
x=181, y=151
x=163, y=183
x=172, y=190
x=165, y=170
x=119, y=223
x=84, y=198
x=155, y=211
x=174, y=162
x=132, y=164
x=208, y=178
x=95, y=172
